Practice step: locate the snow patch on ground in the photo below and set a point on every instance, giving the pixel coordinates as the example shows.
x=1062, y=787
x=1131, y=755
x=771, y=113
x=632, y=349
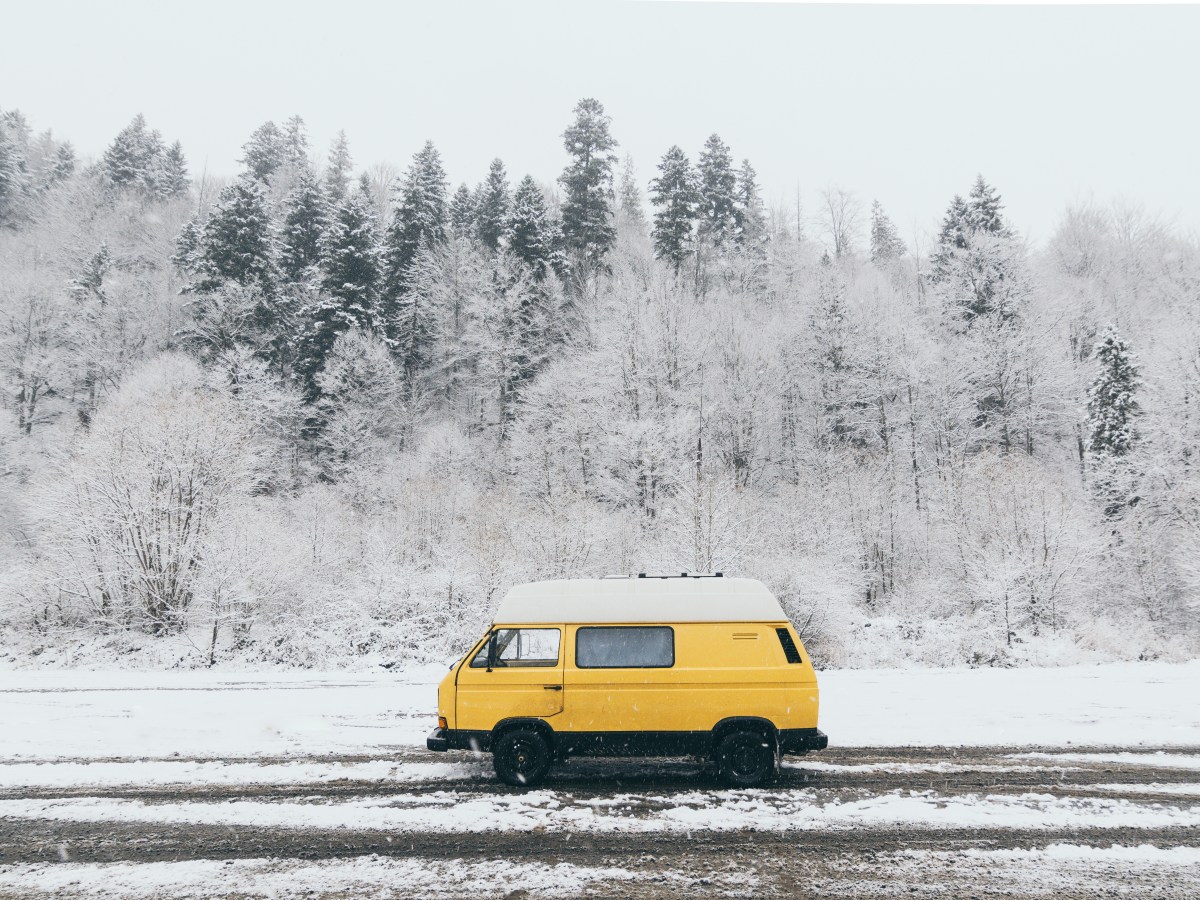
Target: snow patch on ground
x=454, y=812
x=1153, y=760
x=1057, y=870
x=149, y=774
x=368, y=876
x=1183, y=790
x=134, y=715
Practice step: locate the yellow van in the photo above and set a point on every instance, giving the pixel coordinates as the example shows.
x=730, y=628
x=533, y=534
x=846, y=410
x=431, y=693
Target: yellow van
x=636, y=666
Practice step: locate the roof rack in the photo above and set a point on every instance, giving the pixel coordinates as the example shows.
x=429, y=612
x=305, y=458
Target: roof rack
x=680, y=575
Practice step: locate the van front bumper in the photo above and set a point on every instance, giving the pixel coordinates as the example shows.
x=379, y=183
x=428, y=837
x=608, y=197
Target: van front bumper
x=801, y=740
x=438, y=740
x=441, y=739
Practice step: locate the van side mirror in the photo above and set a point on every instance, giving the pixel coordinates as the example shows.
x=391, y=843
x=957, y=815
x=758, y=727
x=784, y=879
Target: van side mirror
x=491, y=651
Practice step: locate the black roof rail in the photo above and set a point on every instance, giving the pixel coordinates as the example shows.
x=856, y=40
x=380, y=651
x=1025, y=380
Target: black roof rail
x=680, y=575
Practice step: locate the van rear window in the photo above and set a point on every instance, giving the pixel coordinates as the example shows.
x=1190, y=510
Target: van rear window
x=625, y=647
x=789, y=646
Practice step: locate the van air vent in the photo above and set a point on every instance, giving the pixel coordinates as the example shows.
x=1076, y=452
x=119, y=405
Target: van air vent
x=789, y=646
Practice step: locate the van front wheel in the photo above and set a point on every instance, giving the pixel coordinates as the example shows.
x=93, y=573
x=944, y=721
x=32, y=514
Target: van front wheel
x=521, y=757
x=745, y=758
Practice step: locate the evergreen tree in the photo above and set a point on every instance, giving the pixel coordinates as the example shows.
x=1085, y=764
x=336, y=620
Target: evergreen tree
x=954, y=234
x=587, y=182
x=750, y=221
x=306, y=216
x=420, y=220
x=718, y=193
x=350, y=287
x=130, y=159
x=295, y=142
x=237, y=243
x=265, y=152
x=13, y=178
x=977, y=258
x=462, y=213
x=415, y=319
x=337, y=173
x=1112, y=407
x=675, y=196
x=885, y=240
x=493, y=210
x=172, y=176
x=64, y=164
x=984, y=210
x=188, y=247
x=629, y=198
x=532, y=236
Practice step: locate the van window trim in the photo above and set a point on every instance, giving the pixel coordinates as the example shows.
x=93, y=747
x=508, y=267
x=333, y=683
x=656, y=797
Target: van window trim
x=579, y=628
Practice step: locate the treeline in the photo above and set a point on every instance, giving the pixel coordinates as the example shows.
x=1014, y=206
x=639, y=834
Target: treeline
x=318, y=412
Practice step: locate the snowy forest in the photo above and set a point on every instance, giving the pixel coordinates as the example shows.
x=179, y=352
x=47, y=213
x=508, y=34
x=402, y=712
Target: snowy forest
x=320, y=413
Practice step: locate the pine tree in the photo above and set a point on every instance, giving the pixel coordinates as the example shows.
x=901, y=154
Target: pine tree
x=885, y=240
x=420, y=220
x=629, y=198
x=532, y=233
x=337, y=173
x=237, y=243
x=718, y=193
x=265, y=152
x=306, y=216
x=1112, y=407
x=172, y=179
x=954, y=234
x=462, y=213
x=414, y=326
x=188, y=247
x=750, y=221
x=984, y=210
x=587, y=220
x=493, y=210
x=977, y=258
x=350, y=287
x=13, y=178
x=64, y=163
x=295, y=142
x=675, y=196
x=130, y=159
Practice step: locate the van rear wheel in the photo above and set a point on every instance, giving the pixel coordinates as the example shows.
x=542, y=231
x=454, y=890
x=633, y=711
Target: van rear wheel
x=521, y=757
x=746, y=758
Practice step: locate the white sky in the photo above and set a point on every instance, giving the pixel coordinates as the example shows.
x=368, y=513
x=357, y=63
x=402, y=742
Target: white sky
x=905, y=104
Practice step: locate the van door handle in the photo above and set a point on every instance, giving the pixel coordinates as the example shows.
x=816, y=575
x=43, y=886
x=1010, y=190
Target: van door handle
x=552, y=687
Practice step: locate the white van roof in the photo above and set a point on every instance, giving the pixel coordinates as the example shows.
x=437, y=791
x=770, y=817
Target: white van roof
x=641, y=599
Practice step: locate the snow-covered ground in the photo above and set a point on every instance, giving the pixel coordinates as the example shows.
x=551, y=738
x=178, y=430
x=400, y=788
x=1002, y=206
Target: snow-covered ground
x=189, y=714
x=226, y=785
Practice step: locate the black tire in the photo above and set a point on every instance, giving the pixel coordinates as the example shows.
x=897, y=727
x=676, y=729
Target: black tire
x=521, y=757
x=746, y=758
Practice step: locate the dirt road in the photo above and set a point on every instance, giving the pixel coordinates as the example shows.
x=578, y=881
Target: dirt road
x=852, y=823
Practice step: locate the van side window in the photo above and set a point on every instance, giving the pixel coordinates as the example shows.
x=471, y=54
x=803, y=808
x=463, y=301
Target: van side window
x=789, y=646
x=519, y=648
x=625, y=647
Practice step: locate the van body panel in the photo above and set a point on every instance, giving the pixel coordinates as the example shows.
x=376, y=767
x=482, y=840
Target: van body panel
x=484, y=698
x=721, y=670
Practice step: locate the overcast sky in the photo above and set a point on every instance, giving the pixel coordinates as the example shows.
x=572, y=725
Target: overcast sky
x=903, y=104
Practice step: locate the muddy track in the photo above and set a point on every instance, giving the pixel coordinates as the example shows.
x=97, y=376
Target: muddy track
x=862, y=861
x=973, y=771
x=112, y=842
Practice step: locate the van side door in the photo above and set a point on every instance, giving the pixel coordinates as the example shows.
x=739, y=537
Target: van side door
x=518, y=672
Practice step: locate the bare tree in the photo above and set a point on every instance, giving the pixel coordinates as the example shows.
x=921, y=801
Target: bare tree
x=841, y=219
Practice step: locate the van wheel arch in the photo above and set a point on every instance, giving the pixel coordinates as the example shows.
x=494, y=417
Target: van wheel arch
x=539, y=725
x=744, y=723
